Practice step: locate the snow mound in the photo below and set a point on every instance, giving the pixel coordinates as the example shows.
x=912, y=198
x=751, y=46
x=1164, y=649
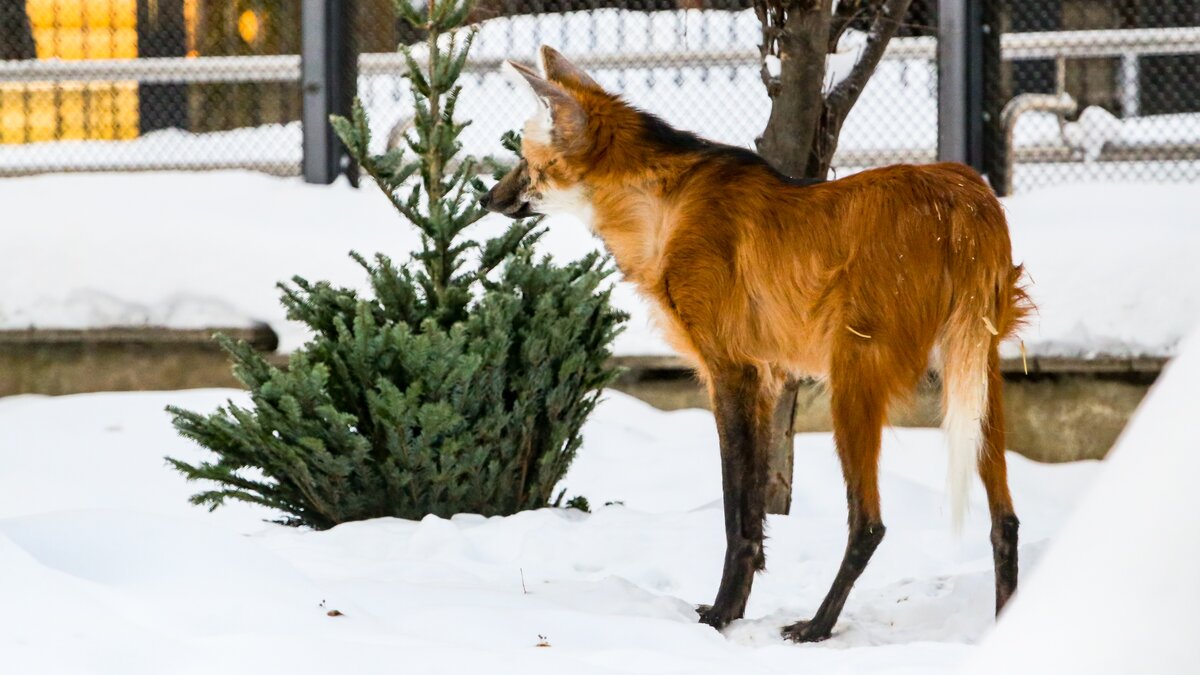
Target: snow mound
x=1095, y=128
x=1118, y=590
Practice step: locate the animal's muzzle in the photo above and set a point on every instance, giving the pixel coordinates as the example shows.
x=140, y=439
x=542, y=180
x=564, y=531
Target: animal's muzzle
x=507, y=196
x=524, y=210
x=513, y=208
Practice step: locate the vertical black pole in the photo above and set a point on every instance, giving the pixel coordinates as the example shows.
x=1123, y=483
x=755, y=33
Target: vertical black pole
x=18, y=36
x=968, y=86
x=952, y=81
x=327, y=77
x=992, y=149
x=161, y=33
x=348, y=74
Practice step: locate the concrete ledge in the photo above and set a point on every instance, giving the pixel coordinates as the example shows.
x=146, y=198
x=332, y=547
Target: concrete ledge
x=58, y=361
x=260, y=336
x=1045, y=365
x=1062, y=409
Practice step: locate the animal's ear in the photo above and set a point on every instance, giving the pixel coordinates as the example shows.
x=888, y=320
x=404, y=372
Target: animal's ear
x=559, y=119
x=558, y=69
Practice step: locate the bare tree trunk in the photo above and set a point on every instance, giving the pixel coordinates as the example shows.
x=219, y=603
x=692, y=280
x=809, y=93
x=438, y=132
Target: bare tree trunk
x=781, y=454
x=802, y=133
x=487, y=9
x=797, y=35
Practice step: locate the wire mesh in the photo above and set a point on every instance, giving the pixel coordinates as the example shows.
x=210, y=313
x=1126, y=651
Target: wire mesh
x=1130, y=67
x=695, y=64
x=86, y=121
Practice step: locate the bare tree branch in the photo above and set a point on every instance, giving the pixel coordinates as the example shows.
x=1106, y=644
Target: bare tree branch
x=769, y=17
x=798, y=33
x=848, y=12
x=841, y=98
x=802, y=131
x=887, y=21
x=18, y=40
x=489, y=9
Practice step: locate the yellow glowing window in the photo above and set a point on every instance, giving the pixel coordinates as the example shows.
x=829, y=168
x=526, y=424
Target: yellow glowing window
x=248, y=26
x=70, y=30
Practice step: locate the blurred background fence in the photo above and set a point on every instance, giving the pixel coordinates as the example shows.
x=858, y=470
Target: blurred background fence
x=1100, y=90
x=1069, y=90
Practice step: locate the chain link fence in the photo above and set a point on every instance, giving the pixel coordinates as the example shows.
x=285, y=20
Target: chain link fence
x=1086, y=90
x=697, y=68
x=203, y=92
x=1099, y=91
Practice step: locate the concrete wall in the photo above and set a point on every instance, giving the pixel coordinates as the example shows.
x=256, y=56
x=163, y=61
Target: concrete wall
x=1062, y=410
x=71, y=361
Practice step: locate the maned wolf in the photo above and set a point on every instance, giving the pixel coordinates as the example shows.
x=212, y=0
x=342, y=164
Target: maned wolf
x=860, y=282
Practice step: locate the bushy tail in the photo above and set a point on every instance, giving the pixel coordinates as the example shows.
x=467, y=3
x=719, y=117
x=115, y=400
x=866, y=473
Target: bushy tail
x=977, y=325
x=964, y=405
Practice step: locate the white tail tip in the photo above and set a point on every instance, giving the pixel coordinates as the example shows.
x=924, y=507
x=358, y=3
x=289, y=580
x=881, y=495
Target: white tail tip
x=965, y=415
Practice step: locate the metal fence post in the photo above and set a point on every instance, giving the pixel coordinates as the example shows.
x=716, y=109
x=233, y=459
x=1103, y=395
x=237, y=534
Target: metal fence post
x=952, y=138
x=327, y=79
x=969, y=92
x=161, y=31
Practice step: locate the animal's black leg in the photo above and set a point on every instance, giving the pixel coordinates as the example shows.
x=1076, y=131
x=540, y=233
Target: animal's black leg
x=865, y=535
x=739, y=404
x=1004, y=556
x=859, y=408
x=993, y=469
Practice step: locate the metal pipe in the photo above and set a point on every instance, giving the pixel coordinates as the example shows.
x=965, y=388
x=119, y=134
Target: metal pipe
x=953, y=136
x=286, y=68
x=1100, y=43
x=846, y=160
x=271, y=167
x=1061, y=104
x=1015, y=46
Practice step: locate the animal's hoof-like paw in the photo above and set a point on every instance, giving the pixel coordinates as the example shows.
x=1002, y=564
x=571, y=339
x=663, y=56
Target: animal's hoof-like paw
x=713, y=616
x=805, y=631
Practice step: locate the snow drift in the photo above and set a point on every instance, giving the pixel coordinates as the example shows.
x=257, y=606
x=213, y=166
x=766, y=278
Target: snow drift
x=1117, y=593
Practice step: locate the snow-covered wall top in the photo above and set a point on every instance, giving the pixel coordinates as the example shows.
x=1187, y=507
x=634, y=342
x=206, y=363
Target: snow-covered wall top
x=1114, y=267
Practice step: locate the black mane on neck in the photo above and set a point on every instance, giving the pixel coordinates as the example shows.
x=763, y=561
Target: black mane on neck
x=667, y=139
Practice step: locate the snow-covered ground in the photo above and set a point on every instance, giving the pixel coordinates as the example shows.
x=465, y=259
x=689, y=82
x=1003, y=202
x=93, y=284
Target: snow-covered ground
x=271, y=145
x=108, y=569
x=1113, y=267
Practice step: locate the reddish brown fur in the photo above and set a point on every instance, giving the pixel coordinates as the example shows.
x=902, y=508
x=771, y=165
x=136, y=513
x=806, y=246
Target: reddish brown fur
x=854, y=281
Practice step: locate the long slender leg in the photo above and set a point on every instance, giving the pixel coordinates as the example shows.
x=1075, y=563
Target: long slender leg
x=742, y=406
x=859, y=406
x=994, y=471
